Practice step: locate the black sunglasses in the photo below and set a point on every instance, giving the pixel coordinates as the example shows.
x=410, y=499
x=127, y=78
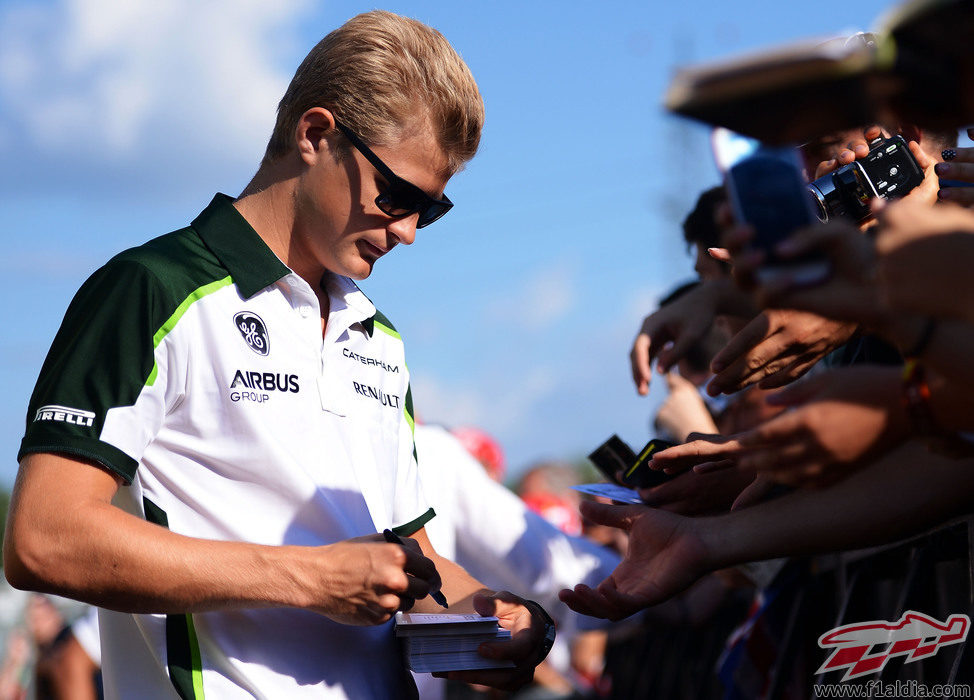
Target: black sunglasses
x=402, y=197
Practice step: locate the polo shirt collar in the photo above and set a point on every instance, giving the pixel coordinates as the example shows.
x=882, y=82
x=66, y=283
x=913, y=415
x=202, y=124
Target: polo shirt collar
x=225, y=231
x=253, y=266
x=348, y=296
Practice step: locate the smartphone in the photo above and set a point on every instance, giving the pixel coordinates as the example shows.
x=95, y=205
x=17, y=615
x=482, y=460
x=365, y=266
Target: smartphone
x=766, y=190
x=639, y=475
x=612, y=457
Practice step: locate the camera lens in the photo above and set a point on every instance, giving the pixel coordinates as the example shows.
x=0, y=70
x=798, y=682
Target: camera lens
x=818, y=199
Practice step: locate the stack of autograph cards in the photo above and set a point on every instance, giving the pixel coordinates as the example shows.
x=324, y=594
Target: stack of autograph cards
x=448, y=642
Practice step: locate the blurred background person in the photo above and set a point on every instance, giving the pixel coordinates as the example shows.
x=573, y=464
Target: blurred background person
x=500, y=538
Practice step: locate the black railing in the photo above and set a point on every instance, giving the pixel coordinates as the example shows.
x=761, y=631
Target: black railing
x=931, y=574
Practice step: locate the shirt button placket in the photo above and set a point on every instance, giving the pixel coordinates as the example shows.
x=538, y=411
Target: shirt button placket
x=325, y=396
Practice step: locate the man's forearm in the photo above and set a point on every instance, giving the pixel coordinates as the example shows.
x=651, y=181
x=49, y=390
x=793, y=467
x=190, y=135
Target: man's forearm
x=71, y=541
x=459, y=587
x=901, y=494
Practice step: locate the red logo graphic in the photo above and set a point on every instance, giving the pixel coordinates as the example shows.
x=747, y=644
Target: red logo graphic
x=915, y=634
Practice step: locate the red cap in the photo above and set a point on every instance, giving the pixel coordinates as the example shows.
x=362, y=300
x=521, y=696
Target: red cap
x=485, y=448
x=556, y=511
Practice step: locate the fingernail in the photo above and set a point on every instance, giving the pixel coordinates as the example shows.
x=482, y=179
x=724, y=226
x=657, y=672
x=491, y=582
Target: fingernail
x=943, y=194
x=941, y=168
x=948, y=154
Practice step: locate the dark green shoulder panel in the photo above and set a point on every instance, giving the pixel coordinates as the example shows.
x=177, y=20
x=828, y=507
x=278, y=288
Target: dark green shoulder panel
x=103, y=353
x=179, y=261
x=384, y=320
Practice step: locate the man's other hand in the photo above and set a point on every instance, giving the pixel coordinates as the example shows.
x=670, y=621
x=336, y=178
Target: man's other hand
x=525, y=648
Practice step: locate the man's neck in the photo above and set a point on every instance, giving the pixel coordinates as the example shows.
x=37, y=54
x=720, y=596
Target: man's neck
x=267, y=203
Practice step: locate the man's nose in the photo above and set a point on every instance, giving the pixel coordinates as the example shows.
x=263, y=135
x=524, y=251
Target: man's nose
x=404, y=229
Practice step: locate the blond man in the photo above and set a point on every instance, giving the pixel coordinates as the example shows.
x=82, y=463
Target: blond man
x=223, y=423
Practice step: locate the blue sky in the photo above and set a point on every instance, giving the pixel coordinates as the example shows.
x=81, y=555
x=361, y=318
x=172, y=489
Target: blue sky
x=118, y=122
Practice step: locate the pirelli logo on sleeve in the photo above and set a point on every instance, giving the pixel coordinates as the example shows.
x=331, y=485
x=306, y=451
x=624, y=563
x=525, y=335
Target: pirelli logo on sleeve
x=64, y=414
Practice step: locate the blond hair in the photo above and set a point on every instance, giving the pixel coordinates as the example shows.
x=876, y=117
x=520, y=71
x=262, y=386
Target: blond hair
x=380, y=74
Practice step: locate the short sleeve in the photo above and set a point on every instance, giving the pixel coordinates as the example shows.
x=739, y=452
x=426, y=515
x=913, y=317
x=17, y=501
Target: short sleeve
x=411, y=511
x=103, y=358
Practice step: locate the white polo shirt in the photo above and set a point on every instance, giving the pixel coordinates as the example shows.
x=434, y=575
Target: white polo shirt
x=194, y=367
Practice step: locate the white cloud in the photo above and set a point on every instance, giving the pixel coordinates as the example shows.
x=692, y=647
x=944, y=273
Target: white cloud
x=436, y=402
x=128, y=82
x=543, y=298
x=502, y=409
x=519, y=401
x=551, y=294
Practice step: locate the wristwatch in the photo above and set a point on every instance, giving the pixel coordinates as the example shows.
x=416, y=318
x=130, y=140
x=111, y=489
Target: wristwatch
x=549, y=630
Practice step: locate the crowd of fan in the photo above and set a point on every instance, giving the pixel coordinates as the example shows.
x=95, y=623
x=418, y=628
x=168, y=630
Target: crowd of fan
x=846, y=401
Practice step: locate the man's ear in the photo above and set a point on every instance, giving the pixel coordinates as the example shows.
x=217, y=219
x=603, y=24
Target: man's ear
x=311, y=134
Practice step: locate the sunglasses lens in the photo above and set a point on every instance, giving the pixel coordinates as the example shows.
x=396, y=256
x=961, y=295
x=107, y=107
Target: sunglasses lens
x=400, y=202
x=407, y=199
x=431, y=213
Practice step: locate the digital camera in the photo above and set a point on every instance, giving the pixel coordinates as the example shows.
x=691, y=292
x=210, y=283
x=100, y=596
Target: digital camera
x=889, y=171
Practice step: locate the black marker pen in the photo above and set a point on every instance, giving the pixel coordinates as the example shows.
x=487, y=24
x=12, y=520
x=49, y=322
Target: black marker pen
x=393, y=538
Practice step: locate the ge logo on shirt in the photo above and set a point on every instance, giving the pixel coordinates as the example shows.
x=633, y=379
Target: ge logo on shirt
x=254, y=332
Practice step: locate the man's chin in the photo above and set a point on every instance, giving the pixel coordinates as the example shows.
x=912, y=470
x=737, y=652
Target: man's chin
x=360, y=271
